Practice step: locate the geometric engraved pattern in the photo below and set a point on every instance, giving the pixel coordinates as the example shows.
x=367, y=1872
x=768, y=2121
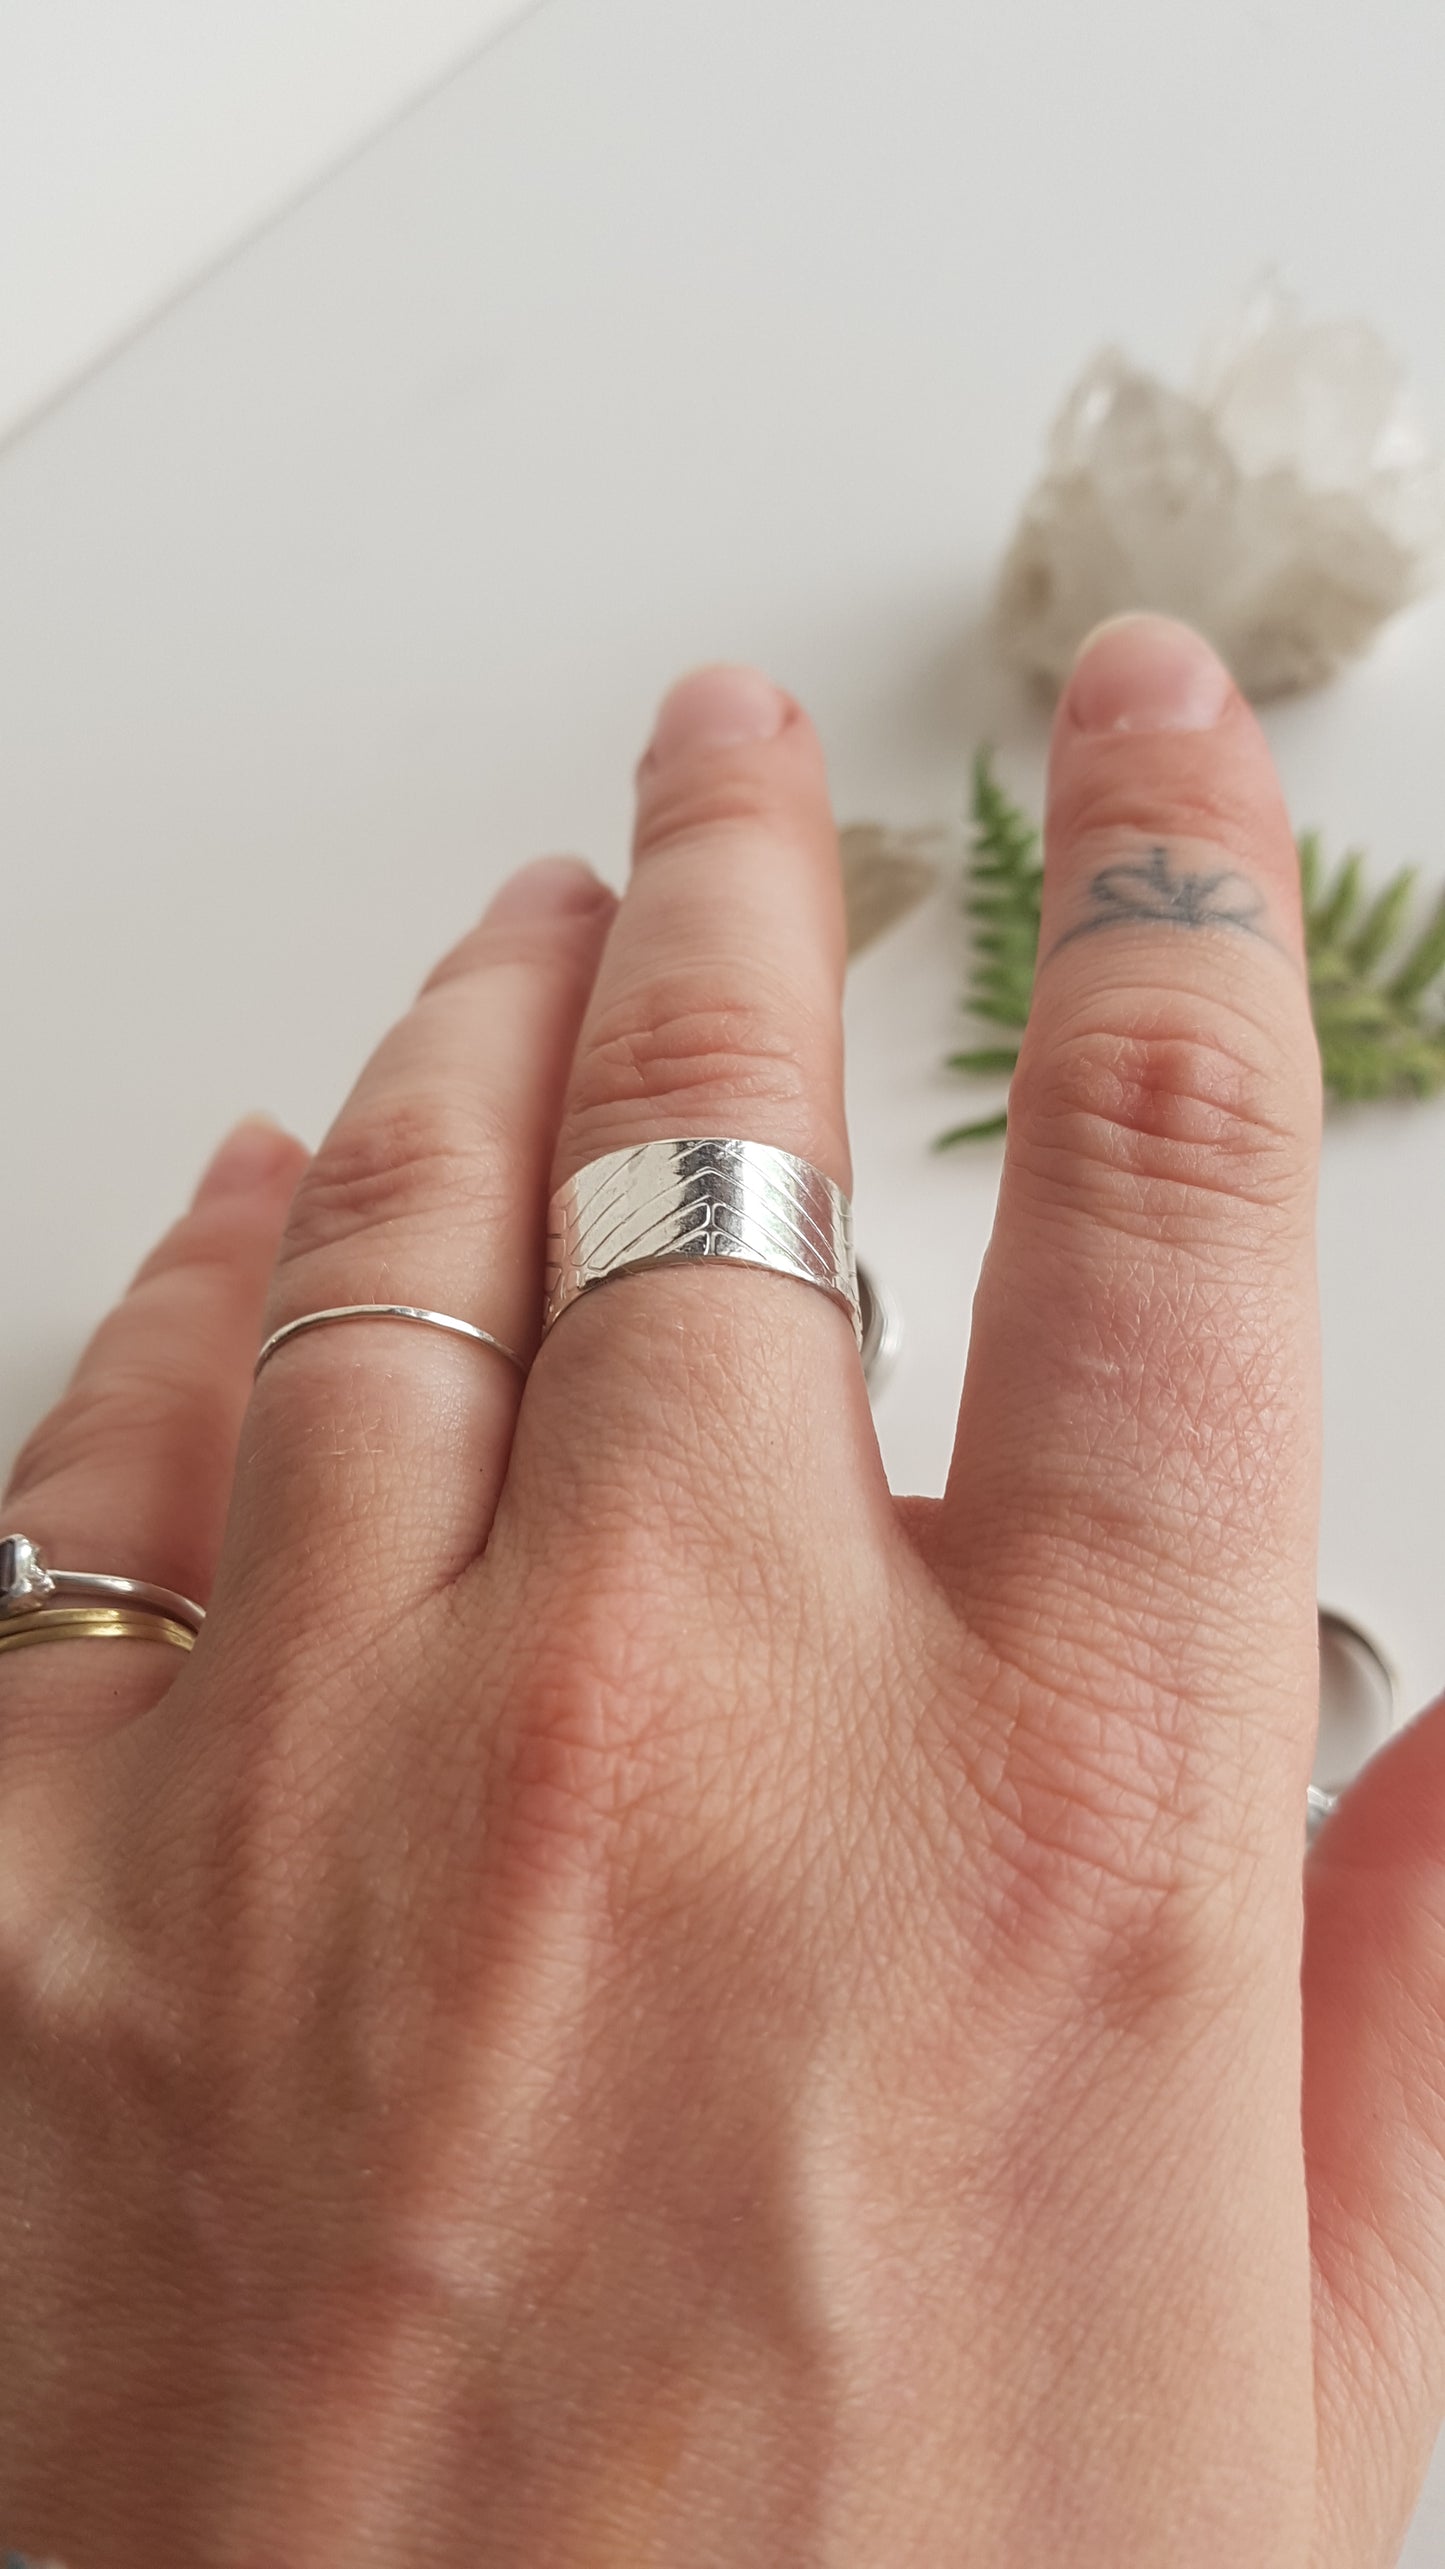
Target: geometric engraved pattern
x=699, y=1198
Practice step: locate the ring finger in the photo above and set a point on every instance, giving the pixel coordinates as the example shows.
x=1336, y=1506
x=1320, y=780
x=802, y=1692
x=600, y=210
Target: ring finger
x=374, y=1453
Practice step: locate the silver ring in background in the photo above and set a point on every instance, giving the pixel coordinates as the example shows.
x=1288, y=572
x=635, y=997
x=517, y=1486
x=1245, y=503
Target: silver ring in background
x=882, y=1329
x=1342, y=1630
x=385, y=1311
x=695, y=1198
x=1365, y=1699
x=27, y=1581
x=1318, y=1805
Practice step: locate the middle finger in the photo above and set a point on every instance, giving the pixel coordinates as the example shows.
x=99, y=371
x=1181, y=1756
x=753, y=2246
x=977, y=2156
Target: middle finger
x=716, y=1014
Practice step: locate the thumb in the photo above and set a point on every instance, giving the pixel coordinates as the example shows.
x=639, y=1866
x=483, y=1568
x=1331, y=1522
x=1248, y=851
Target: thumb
x=1374, y=2132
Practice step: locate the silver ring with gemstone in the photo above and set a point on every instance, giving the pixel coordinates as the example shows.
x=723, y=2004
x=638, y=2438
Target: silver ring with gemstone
x=695, y=1198
x=27, y=1581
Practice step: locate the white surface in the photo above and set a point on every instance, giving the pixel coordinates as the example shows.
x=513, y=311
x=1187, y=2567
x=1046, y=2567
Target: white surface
x=141, y=139
x=666, y=332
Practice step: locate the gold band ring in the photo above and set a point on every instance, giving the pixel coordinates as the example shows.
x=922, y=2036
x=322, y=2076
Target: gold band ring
x=92, y=1623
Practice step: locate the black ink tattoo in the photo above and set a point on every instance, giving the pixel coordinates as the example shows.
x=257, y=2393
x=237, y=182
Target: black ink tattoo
x=1153, y=892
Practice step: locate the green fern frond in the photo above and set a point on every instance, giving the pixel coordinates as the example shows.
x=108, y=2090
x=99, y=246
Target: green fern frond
x=1006, y=881
x=1379, y=1009
x=1335, y=910
x=991, y=1057
x=983, y=1131
x=1424, y=964
x=1382, y=922
x=1381, y=1032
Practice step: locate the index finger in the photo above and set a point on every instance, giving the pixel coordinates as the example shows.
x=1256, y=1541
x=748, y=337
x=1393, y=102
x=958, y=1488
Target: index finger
x=1131, y=1513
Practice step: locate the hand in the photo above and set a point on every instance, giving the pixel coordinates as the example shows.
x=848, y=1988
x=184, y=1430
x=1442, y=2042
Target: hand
x=636, y=2002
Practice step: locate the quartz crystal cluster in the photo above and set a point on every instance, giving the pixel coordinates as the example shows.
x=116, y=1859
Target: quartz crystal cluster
x=1287, y=506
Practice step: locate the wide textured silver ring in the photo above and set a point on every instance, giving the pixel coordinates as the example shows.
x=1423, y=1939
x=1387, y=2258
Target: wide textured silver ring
x=27, y=1582
x=694, y=1198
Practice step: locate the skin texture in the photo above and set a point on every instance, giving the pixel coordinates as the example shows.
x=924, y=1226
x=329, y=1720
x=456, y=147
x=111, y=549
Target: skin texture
x=647, y=2003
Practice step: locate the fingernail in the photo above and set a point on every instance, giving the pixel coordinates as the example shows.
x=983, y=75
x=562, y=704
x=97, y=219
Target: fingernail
x=1147, y=673
x=251, y=1155
x=550, y=887
x=716, y=709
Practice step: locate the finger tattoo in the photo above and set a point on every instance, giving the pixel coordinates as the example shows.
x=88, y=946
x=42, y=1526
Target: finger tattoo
x=1159, y=892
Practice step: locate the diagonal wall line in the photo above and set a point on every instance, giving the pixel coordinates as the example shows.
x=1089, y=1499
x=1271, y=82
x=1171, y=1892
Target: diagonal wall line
x=256, y=226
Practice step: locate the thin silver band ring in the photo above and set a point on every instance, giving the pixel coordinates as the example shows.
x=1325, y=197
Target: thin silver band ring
x=27, y=1581
x=385, y=1311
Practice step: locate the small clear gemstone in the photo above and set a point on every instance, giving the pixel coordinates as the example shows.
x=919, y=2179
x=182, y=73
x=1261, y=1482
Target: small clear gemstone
x=23, y=1575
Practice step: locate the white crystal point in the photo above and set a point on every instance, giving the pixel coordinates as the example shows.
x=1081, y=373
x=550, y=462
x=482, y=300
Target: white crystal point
x=1288, y=506
x=886, y=873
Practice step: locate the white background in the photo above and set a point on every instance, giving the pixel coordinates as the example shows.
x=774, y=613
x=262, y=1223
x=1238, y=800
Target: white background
x=140, y=139
x=667, y=331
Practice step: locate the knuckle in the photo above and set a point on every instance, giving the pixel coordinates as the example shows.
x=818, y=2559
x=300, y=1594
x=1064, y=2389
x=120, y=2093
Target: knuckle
x=683, y=809
x=124, y=1411
x=44, y=1946
x=569, y=1781
x=390, y=1163
x=483, y=949
x=557, y=936
x=1117, y=802
x=50, y=1450
x=461, y=962
x=205, y=1256
x=687, y=1049
x=198, y=1245
x=1188, y=1102
x=599, y=1733
x=614, y=1756
x=1109, y=1869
